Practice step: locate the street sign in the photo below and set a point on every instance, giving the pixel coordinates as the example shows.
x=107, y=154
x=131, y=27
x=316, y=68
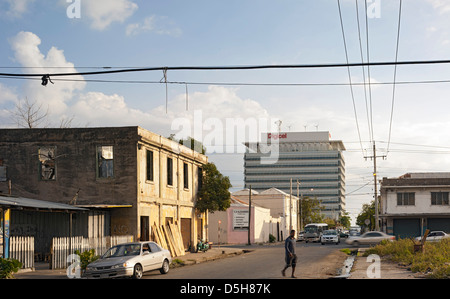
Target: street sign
x=240, y=219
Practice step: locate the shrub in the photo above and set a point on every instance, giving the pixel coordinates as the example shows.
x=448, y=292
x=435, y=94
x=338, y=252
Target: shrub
x=271, y=238
x=87, y=257
x=433, y=261
x=8, y=267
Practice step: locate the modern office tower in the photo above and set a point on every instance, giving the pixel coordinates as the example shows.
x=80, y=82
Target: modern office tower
x=310, y=158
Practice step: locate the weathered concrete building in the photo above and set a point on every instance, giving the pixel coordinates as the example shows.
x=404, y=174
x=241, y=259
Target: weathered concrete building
x=414, y=202
x=133, y=177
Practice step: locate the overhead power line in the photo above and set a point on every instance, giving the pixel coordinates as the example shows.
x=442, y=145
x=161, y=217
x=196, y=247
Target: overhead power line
x=395, y=75
x=349, y=76
x=234, y=83
x=363, y=70
x=368, y=70
x=239, y=67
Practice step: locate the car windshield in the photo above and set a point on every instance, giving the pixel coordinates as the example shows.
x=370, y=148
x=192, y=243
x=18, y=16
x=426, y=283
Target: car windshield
x=329, y=232
x=123, y=250
x=310, y=229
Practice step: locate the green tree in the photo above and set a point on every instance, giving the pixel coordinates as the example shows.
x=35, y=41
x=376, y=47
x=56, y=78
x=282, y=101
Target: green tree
x=345, y=220
x=214, y=194
x=310, y=210
x=368, y=212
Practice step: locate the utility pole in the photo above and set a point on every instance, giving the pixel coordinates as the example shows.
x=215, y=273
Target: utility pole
x=374, y=157
x=249, y=212
x=299, y=208
x=290, y=209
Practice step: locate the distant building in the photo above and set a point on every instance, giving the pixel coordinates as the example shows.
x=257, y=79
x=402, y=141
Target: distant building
x=309, y=157
x=231, y=226
x=134, y=178
x=280, y=204
x=414, y=202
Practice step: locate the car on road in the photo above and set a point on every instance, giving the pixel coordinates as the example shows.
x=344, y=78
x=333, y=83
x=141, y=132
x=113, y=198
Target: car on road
x=301, y=236
x=369, y=238
x=130, y=260
x=343, y=234
x=434, y=236
x=330, y=236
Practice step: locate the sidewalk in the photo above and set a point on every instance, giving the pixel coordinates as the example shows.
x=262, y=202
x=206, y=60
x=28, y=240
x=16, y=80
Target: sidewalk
x=388, y=269
x=213, y=254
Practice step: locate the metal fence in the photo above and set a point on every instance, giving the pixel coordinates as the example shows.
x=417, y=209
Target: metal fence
x=63, y=247
x=22, y=249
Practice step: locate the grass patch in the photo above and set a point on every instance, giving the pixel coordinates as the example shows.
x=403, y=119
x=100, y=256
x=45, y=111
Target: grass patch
x=434, y=261
x=177, y=263
x=348, y=251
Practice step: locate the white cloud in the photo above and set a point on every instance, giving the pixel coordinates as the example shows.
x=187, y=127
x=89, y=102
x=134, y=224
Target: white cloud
x=218, y=103
x=7, y=95
x=99, y=109
x=16, y=8
x=442, y=6
x=56, y=96
x=155, y=24
x=103, y=13
x=65, y=98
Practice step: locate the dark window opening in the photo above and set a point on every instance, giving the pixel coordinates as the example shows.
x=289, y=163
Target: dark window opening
x=186, y=176
x=439, y=198
x=169, y=171
x=47, y=163
x=200, y=178
x=105, y=160
x=406, y=199
x=149, y=166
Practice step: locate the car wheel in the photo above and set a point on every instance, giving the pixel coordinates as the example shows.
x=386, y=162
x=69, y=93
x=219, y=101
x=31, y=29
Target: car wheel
x=137, y=272
x=165, y=267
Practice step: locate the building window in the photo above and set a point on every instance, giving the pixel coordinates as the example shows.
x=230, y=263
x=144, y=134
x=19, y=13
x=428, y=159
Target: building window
x=406, y=199
x=169, y=171
x=439, y=198
x=3, y=177
x=200, y=178
x=186, y=176
x=105, y=161
x=47, y=163
x=149, y=176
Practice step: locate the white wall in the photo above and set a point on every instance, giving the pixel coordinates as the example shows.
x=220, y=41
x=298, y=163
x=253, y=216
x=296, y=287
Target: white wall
x=422, y=202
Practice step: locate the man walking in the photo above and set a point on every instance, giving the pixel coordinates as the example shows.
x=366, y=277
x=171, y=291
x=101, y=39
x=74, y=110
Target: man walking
x=290, y=256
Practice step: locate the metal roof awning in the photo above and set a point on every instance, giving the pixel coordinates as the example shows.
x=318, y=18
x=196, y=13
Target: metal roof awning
x=104, y=206
x=14, y=202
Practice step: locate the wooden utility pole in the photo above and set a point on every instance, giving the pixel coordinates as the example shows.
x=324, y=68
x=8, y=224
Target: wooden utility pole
x=249, y=212
x=290, y=208
x=374, y=157
x=299, y=208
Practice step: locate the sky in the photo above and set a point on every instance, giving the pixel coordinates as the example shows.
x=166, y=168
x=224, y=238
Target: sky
x=48, y=36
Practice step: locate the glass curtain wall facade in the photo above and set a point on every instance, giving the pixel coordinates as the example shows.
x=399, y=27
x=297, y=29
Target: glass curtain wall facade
x=309, y=157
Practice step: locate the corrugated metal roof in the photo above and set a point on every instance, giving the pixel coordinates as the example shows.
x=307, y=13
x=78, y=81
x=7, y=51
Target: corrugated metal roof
x=22, y=202
x=105, y=206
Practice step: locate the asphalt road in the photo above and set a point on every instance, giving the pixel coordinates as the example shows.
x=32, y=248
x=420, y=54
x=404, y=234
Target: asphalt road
x=265, y=262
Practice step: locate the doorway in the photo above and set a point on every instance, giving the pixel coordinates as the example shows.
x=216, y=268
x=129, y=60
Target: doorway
x=186, y=232
x=145, y=228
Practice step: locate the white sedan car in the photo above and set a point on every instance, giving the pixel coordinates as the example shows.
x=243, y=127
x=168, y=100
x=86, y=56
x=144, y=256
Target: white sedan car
x=434, y=236
x=369, y=238
x=330, y=236
x=130, y=260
